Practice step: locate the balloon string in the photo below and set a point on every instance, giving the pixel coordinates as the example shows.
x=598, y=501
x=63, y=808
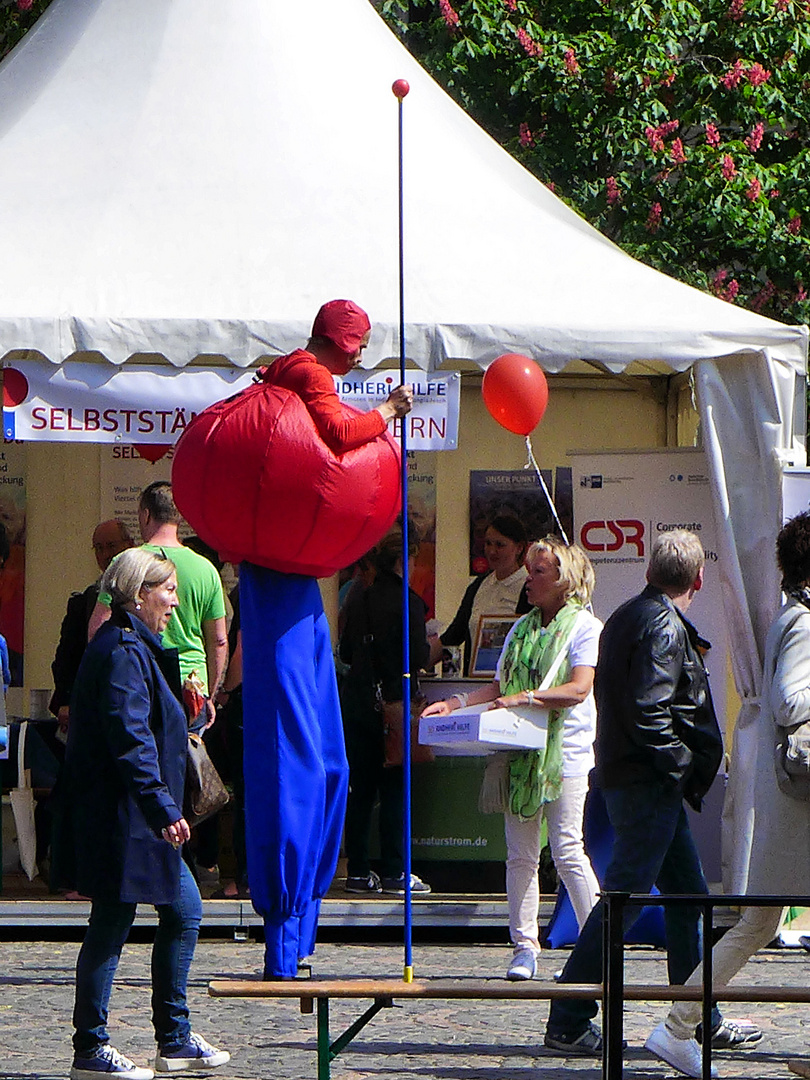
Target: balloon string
x=533, y=462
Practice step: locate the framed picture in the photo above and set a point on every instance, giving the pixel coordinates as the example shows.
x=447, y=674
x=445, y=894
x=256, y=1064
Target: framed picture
x=489, y=639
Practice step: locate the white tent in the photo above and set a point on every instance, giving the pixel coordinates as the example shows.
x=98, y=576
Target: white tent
x=192, y=177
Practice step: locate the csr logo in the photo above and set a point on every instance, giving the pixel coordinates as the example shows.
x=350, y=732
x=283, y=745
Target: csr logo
x=612, y=535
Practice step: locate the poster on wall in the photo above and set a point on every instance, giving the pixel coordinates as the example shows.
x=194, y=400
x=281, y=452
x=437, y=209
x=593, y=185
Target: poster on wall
x=422, y=516
x=125, y=472
x=12, y=573
x=622, y=502
x=515, y=492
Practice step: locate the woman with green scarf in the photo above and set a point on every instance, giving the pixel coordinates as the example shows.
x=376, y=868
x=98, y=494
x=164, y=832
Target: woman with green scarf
x=548, y=662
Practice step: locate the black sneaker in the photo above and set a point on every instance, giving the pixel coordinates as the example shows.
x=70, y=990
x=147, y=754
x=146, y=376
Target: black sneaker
x=732, y=1034
x=368, y=884
x=587, y=1044
x=395, y=886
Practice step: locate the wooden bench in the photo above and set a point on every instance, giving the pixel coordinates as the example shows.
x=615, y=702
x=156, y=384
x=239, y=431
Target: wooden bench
x=383, y=993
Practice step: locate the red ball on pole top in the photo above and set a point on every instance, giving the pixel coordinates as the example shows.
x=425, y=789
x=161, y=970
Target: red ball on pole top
x=401, y=89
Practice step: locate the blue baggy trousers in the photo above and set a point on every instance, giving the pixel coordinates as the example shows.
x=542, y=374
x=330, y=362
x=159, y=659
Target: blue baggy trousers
x=296, y=774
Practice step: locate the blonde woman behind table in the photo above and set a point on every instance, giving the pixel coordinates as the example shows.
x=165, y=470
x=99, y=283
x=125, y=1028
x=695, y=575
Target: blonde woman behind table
x=553, y=783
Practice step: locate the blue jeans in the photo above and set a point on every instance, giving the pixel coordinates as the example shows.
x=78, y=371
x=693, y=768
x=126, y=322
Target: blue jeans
x=172, y=953
x=652, y=846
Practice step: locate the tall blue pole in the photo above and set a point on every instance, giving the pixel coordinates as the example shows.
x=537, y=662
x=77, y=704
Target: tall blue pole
x=400, y=90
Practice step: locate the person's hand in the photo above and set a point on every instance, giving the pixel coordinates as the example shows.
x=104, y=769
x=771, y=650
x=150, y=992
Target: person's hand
x=398, y=403
x=177, y=833
x=211, y=712
x=509, y=701
x=63, y=718
x=439, y=708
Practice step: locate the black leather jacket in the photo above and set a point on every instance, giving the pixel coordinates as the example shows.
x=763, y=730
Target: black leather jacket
x=656, y=719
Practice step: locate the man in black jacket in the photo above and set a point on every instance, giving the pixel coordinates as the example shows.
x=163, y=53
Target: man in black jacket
x=657, y=744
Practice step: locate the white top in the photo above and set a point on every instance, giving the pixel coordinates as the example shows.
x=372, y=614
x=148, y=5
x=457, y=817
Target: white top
x=579, y=726
x=496, y=597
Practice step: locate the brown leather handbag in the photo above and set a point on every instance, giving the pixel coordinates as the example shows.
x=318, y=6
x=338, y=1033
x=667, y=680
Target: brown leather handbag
x=205, y=793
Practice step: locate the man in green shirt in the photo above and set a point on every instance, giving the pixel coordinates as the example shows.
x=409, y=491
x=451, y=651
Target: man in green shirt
x=197, y=627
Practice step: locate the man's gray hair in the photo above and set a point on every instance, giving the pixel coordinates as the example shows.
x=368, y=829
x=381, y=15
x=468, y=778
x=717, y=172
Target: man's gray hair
x=676, y=560
x=130, y=571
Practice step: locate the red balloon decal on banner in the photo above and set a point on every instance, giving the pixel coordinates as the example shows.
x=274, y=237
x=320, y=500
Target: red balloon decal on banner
x=15, y=387
x=515, y=392
x=153, y=451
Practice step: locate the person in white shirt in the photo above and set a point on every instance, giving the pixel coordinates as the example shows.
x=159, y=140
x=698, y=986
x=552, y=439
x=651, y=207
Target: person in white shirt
x=548, y=661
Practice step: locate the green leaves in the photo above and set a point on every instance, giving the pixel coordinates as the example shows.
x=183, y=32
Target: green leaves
x=589, y=80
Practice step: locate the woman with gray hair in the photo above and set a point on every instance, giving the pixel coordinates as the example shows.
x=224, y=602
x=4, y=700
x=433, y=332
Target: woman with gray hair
x=548, y=661
x=122, y=793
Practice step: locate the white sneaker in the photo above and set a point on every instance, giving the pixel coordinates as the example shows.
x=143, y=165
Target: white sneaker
x=685, y=1055
x=523, y=965
x=106, y=1061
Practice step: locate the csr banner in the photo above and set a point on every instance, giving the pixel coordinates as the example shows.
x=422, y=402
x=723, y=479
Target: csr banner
x=139, y=404
x=622, y=502
x=795, y=493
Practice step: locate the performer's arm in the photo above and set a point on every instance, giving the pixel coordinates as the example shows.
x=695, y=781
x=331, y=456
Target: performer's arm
x=339, y=428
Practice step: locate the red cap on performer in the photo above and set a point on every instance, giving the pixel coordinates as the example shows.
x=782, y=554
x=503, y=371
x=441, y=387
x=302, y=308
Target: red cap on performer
x=343, y=323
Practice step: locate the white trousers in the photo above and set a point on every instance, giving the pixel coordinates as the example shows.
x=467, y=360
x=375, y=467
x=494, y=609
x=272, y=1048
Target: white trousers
x=564, y=821
x=756, y=927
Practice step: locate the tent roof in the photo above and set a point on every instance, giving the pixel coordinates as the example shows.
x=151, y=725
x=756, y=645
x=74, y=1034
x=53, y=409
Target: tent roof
x=197, y=177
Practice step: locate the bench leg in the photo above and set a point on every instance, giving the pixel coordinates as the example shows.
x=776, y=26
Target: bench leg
x=328, y=1052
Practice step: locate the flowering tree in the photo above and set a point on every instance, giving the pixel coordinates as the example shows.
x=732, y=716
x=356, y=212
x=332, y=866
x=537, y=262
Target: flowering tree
x=17, y=16
x=681, y=130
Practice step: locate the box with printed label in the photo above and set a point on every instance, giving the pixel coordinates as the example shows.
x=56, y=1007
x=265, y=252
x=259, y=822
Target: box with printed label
x=481, y=730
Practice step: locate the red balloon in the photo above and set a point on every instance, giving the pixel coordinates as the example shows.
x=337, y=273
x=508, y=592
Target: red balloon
x=254, y=480
x=515, y=392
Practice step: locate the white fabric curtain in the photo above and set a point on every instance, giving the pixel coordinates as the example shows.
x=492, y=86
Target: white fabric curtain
x=750, y=412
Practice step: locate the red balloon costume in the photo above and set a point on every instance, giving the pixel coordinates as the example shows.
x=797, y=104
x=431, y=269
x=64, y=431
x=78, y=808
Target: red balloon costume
x=294, y=485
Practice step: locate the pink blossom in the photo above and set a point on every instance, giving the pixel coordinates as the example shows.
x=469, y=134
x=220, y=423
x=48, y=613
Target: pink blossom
x=732, y=290
x=663, y=176
x=526, y=137
x=712, y=135
x=736, y=10
x=729, y=169
x=668, y=127
x=801, y=293
x=676, y=152
x=654, y=138
x=528, y=44
x=794, y=226
x=754, y=190
x=754, y=140
x=653, y=221
x=570, y=61
x=552, y=187
x=781, y=5
x=613, y=193
x=667, y=80
x=759, y=301
x=757, y=75
x=449, y=14
x=25, y=5
x=774, y=193
x=733, y=76
x=721, y=289
x=511, y=4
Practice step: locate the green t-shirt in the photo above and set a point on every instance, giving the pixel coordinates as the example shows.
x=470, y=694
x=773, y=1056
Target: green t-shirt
x=199, y=590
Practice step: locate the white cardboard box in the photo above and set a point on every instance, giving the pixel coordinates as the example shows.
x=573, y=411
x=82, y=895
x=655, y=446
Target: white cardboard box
x=481, y=730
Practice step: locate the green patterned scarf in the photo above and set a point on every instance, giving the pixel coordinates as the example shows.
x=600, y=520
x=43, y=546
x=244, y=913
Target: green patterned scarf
x=535, y=777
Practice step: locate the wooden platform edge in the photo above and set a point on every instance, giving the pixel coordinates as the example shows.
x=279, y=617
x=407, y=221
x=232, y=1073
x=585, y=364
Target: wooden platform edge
x=490, y=989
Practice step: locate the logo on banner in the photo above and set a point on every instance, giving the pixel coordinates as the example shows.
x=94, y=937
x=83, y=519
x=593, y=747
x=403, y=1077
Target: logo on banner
x=613, y=535
x=594, y=481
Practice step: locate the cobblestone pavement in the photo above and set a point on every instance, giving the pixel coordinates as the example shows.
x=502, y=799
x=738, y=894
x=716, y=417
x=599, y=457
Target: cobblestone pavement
x=418, y=1041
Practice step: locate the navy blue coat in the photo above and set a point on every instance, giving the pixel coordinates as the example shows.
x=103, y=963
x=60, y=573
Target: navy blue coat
x=125, y=766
